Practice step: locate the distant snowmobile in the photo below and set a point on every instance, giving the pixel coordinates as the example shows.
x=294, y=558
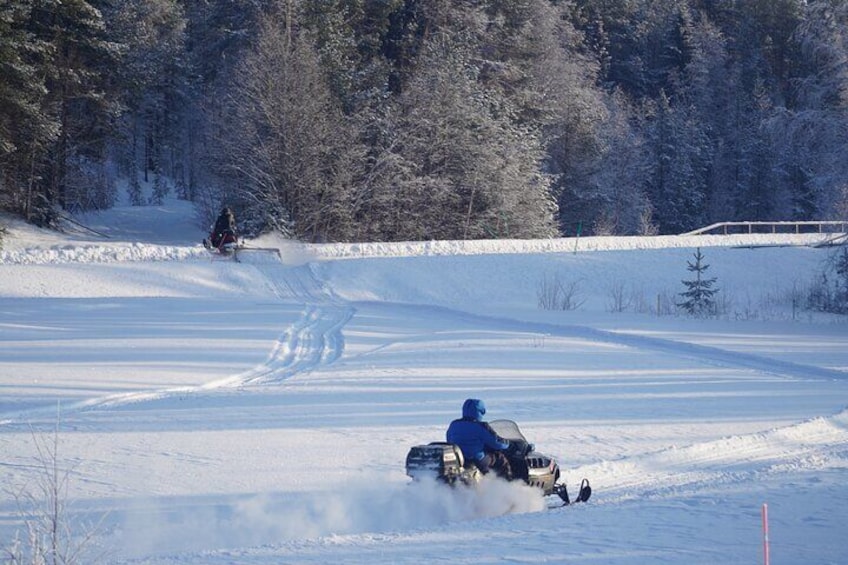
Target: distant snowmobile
x=224, y=243
x=444, y=462
x=223, y=238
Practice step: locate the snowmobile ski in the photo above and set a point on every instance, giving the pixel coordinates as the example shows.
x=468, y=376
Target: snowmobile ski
x=562, y=492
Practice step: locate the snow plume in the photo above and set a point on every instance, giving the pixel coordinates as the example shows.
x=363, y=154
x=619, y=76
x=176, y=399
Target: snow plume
x=292, y=253
x=275, y=518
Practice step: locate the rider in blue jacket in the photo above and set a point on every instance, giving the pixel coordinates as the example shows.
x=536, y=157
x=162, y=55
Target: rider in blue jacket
x=478, y=441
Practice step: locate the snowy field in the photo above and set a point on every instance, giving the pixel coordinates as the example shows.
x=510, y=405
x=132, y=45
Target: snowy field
x=260, y=412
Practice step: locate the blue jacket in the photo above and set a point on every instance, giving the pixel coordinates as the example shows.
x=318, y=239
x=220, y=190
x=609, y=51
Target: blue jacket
x=472, y=435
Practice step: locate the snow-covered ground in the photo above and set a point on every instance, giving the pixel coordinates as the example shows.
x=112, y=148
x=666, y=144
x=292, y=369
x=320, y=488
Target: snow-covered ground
x=260, y=412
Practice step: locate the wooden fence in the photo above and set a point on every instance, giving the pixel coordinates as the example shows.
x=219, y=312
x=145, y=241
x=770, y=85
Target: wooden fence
x=726, y=228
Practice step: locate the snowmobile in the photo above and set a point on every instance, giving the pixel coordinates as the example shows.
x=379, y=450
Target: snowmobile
x=444, y=462
x=229, y=248
x=224, y=243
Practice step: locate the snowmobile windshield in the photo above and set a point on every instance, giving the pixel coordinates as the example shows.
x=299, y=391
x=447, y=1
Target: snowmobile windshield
x=508, y=430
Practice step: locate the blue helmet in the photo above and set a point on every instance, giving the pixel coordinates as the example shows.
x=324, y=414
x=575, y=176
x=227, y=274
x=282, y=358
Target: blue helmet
x=473, y=408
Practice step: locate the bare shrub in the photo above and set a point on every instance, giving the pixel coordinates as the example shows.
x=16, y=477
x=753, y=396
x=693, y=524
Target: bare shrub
x=555, y=294
x=666, y=304
x=723, y=303
x=48, y=535
x=622, y=297
x=776, y=303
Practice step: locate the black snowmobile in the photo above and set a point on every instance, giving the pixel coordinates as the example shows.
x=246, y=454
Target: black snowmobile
x=444, y=462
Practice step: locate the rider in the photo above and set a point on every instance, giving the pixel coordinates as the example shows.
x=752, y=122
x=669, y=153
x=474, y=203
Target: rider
x=225, y=224
x=478, y=441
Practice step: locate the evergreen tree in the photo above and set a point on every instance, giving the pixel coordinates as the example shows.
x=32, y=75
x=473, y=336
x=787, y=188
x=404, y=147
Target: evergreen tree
x=287, y=146
x=817, y=127
x=217, y=35
x=614, y=198
x=353, y=38
x=677, y=177
x=153, y=81
x=79, y=97
x=638, y=42
x=465, y=170
x=437, y=118
x=698, y=298
x=26, y=127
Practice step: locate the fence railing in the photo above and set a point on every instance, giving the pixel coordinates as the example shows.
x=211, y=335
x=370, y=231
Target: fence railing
x=727, y=228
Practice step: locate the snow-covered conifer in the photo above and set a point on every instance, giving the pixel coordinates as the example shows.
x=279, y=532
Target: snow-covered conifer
x=699, y=296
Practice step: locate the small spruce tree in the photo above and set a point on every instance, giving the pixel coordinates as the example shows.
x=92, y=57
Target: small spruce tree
x=698, y=298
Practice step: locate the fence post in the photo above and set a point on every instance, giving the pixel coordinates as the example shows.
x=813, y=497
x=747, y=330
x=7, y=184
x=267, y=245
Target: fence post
x=577, y=239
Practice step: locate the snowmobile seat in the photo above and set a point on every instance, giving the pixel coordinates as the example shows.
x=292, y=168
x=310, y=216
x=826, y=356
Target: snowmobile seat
x=436, y=459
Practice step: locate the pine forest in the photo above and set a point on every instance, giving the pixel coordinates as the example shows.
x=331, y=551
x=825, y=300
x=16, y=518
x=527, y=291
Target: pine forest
x=390, y=120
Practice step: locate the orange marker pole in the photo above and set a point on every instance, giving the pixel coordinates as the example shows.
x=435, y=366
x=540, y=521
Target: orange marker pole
x=765, y=535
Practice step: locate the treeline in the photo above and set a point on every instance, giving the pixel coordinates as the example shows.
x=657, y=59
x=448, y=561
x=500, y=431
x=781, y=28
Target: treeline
x=340, y=120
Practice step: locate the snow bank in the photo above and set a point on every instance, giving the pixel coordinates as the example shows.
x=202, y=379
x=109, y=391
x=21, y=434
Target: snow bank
x=130, y=252
x=556, y=245
x=27, y=245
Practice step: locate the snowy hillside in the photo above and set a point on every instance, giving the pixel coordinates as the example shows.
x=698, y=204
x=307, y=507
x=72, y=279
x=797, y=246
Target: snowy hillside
x=260, y=412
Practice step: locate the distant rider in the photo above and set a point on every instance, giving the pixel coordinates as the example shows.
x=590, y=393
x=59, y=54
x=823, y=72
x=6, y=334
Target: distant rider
x=225, y=228
x=478, y=441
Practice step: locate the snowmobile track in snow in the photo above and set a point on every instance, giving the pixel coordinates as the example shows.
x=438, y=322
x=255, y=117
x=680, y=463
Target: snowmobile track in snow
x=314, y=340
x=705, y=354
